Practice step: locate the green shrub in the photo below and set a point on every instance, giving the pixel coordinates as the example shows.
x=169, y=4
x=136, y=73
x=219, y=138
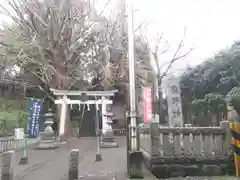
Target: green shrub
x=234, y=99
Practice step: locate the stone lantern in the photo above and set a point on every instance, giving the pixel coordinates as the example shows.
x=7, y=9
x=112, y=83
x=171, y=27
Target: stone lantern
x=47, y=138
x=107, y=138
x=49, y=119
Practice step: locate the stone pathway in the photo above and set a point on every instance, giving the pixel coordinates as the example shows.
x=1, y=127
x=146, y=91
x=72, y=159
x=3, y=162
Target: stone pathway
x=113, y=161
x=112, y=167
x=50, y=164
x=53, y=164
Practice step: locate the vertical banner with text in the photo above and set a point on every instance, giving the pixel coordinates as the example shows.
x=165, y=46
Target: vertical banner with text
x=34, y=113
x=147, y=104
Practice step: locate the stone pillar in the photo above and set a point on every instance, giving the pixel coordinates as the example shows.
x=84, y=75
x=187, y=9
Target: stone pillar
x=228, y=137
x=155, y=142
x=63, y=118
x=104, y=118
x=73, y=165
x=8, y=161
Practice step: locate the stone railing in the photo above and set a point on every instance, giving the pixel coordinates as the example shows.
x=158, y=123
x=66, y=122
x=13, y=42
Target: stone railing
x=7, y=144
x=201, y=147
x=146, y=141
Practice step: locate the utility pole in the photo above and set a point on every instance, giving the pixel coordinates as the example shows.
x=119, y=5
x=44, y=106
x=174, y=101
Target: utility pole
x=135, y=155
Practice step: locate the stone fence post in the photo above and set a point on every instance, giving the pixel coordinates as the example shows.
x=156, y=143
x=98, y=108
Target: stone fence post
x=227, y=138
x=155, y=139
x=8, y=161
x=73, y=165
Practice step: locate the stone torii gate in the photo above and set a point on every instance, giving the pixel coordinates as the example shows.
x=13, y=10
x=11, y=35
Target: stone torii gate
x=65, y=101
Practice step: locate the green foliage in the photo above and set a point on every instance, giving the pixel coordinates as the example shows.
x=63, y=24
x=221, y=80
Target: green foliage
x=23, y=120
x=12, y=105
x=13, y=114
x=216, y=103
x=234, y=99
x=212, y=105
x=11, y=120
x=216, y=75
x=198, y=107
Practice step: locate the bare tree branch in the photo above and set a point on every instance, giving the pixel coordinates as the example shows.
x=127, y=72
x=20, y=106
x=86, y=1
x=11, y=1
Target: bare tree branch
x=176, y=55
x=157, y=52
x=47, y=93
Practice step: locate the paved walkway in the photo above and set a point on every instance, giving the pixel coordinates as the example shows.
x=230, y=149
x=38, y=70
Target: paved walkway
x=113, y=164
x=53, y=164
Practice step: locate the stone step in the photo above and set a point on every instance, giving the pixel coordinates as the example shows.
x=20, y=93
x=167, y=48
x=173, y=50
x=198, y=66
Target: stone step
x=46, y=134
x=108, y=145
x=98, y=177
x=47, y=146
x=47, y=141
x=47, y=138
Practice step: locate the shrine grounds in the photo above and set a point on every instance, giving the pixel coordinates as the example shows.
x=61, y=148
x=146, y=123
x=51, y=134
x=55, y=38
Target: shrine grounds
x=54, y=164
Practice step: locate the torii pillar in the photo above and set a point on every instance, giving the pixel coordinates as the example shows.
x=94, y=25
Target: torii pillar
x=62, y=122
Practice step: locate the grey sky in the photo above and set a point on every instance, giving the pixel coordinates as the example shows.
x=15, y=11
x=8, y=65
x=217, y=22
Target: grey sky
x=211, y=24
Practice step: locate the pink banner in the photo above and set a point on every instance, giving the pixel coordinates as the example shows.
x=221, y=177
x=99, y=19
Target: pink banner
x=147, y=104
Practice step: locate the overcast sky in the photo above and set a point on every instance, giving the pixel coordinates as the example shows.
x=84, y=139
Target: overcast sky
x=211, y=24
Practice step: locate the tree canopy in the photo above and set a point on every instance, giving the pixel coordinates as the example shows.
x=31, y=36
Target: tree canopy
x=218, y=75
x=66, y=44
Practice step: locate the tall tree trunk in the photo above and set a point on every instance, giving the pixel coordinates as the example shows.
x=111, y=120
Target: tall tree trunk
x=61, y=83
x=160, y=107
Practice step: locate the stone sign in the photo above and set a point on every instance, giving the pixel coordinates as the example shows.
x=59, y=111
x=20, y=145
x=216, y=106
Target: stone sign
x=173, y=95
